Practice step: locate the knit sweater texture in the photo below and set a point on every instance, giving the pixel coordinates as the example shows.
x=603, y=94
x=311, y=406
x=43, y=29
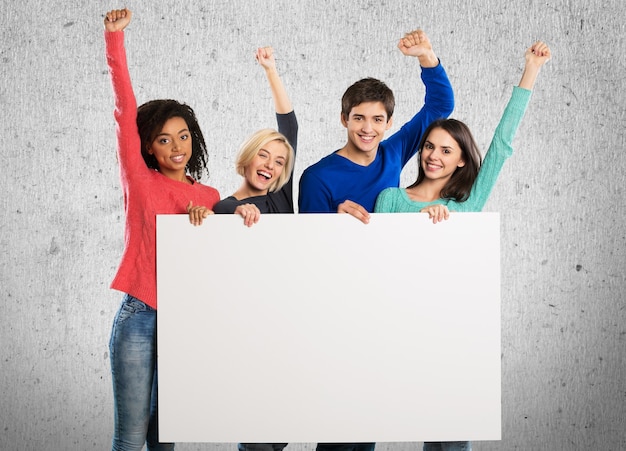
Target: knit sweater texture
x=396, y=200
x=146, y=192
x=335, y=179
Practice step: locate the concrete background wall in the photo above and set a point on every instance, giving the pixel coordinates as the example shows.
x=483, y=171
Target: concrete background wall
x=561, y=196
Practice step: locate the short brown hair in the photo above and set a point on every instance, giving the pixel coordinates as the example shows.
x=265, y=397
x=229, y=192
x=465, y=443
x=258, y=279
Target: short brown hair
x=368, y=90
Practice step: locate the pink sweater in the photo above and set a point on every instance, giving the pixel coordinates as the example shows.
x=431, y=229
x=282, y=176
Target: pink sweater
x=147, y=192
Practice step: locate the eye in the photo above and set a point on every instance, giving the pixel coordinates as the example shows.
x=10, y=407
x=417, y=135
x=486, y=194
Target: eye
x=280, y=162
x=184, y=137
x=163, y=141
x=379, y=119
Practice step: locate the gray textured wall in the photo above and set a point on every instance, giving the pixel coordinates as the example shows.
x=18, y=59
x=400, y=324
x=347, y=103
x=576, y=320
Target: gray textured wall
x=561, y=196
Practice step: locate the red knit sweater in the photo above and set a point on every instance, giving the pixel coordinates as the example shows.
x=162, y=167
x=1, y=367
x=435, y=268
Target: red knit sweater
x=147, y=192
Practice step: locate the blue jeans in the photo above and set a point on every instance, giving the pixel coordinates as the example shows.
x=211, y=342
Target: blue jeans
x=261, y=446
x=134, y=372
x=345, y=446
x=447, y=446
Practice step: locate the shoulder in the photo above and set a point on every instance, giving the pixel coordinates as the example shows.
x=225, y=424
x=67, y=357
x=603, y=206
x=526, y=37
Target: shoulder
x=226, y=206
x=387, y=199
x=207, y=190
x=390, y=193
x=329, y=162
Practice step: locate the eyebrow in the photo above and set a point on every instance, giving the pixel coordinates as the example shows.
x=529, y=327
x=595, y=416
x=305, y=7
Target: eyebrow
x=178, y=133
x=432, y=144
x=377, y=116
x=277, y=156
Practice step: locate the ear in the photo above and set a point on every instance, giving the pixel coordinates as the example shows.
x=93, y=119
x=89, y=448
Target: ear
x=344, y=120
x=149, y=149
x=461, y=163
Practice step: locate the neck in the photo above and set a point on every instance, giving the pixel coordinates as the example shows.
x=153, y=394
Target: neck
x=177, y=176
x=245, y=191
x=426, y=191
x=363, y=158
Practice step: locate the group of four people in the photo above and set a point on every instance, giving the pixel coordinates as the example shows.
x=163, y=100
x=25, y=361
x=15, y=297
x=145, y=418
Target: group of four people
x=162, y=154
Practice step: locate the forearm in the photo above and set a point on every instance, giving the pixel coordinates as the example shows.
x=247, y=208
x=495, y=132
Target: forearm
x=529, y=76
x=429, y=59
x=282, y=103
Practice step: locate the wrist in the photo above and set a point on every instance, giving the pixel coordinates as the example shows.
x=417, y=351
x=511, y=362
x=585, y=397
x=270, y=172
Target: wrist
x=428, y=60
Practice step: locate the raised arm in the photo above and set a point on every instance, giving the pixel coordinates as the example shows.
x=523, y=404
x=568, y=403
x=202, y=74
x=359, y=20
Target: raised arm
x=501, y=146
x=129, y=144
x=438, y=100
x=265, y=57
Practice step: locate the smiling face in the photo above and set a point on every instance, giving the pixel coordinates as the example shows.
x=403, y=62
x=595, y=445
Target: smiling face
x=172, y=148
x=265, y=168
x=440, y=155
x=366, y=124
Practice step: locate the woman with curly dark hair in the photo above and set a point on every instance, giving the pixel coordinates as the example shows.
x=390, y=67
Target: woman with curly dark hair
x=161, y=153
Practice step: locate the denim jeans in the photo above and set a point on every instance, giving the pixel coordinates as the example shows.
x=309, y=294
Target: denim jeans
x=261, y=446
x=134, y=372
x=447, y=446
x=345, y=446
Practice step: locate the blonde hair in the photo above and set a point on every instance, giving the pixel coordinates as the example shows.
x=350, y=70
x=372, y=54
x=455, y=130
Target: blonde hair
x=251, y=146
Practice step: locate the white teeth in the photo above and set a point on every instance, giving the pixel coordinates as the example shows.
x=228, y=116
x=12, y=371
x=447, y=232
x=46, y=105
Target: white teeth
x=267, y=175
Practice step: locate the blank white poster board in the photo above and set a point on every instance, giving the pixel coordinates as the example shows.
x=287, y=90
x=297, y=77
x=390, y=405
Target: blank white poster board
x=318, y=328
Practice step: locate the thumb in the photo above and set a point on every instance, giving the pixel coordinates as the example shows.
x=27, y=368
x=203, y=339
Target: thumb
x=189, y=206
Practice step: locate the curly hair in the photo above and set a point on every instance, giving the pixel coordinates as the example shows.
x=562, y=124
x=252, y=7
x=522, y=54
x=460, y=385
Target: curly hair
x=152, y=115
x=460, y=184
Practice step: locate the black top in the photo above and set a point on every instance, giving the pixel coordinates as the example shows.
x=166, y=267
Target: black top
x=280, y=201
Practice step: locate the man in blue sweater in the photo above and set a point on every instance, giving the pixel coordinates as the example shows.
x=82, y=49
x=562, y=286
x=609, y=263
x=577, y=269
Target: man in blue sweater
x=350, y=179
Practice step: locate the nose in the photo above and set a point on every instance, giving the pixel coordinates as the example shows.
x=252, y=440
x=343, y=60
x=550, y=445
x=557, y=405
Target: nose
x=367, y=126
x=434, y=153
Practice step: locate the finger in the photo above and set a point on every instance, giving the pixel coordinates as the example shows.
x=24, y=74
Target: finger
x=361, y=214
x=189, y=206
x=197, y=220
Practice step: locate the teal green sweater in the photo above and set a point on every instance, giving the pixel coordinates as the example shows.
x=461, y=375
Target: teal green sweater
x=396, y=200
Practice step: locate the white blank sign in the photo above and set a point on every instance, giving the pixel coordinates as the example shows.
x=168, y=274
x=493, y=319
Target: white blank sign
x=318, y=328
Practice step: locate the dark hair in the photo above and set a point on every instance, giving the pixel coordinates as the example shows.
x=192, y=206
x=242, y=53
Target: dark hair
x=152, y=115
x=462, y=180
x=367, y=90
